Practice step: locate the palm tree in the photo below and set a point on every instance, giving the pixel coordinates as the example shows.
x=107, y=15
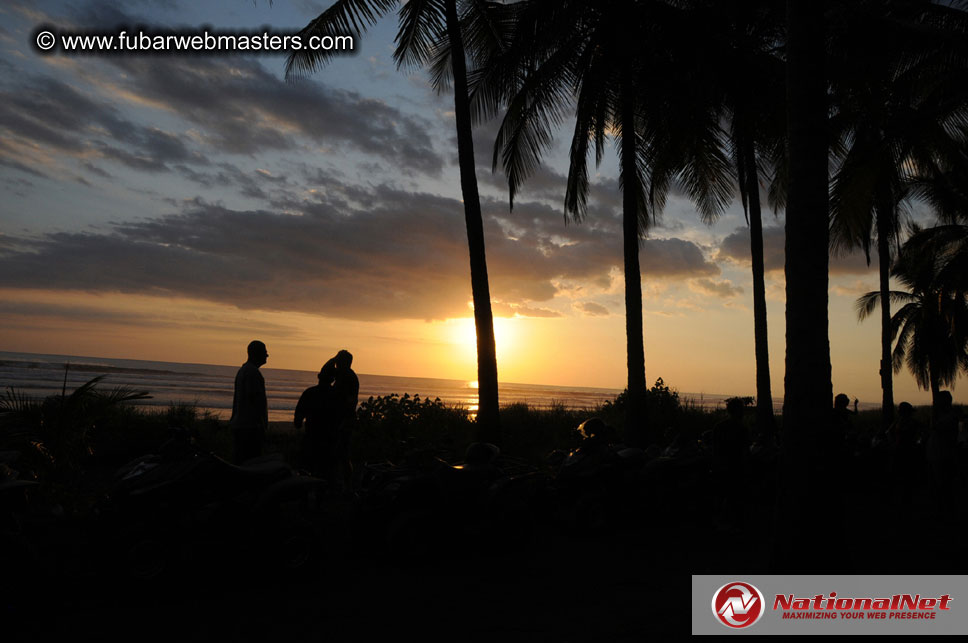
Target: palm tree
x=808, y=393
x=900, y=115
x=442, y=34
x=618, y=63
x=930, y=330
x=808, y=390
x=746, y=76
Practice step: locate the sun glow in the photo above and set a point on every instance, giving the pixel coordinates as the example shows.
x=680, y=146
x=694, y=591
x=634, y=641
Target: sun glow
x=464, y=335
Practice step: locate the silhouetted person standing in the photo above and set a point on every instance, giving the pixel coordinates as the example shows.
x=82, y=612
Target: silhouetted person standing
x=346, y=393
x=317, y=406
x=250, y=410
x=906, y=433
x=840, y=436
x=731, y=446
x=731, y=442
x=942, y=451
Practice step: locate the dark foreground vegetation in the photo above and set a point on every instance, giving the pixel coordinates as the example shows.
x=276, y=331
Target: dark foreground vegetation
x=563, y=531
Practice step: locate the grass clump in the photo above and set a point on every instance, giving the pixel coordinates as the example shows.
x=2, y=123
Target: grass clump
x=71, y=443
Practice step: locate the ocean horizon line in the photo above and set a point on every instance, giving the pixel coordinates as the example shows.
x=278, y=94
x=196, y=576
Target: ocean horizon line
x=61, y=356
x=209, y=385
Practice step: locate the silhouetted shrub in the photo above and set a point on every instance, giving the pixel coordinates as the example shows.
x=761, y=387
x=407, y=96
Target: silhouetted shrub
x=389, y=425
x=662, y=406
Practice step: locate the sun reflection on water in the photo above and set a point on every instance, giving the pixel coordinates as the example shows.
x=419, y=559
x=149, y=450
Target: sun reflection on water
x=471, y=402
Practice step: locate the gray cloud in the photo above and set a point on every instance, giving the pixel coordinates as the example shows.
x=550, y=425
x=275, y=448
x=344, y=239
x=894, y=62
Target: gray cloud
x=244, y=109
x=94, y=169
x=27, y=314
x=718, y=288
x=236, y=105
x=54, y=114
x=736, y=247
x=592, y=309
x=257, y=184
x=401, y=255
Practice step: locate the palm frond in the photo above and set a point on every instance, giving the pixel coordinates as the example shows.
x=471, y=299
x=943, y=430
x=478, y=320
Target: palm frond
x=123, y=394
x=15, y=400
x=576, y=187
x=707, y=176
x=421, y=23
x=531, y=119
x=499, y=56
x=345, y=17
x=867, y=303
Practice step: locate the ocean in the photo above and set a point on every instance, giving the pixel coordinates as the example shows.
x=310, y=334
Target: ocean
x=209, y=387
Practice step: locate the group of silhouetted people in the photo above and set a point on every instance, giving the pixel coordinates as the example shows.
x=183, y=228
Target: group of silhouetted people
x=328, y=410
x=916, y=452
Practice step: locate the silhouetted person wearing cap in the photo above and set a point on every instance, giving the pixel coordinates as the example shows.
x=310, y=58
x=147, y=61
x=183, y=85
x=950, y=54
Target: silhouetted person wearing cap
x=346, y=392
x=317, y=406
x=250, y=410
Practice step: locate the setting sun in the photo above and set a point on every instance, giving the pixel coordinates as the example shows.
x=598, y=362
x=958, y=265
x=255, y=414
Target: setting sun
x=464, y=335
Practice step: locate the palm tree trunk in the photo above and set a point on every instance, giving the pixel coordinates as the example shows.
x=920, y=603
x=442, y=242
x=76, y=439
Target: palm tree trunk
x=635, y=347
x=764, y=394
x=808, y=394
x=488, y=422
x=884, y=268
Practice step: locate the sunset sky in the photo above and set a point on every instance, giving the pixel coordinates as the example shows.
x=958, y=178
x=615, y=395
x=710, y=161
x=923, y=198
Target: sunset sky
x=174, y=207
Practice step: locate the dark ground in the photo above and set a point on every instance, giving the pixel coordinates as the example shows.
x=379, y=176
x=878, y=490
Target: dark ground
x=625, y=582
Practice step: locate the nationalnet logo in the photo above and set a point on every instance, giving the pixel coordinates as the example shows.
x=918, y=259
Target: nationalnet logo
x=737, y=605
x=832, y=606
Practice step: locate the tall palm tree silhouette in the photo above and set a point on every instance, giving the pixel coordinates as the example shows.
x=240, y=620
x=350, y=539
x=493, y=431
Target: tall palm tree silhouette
x=900, y=114
x=930, y=329
x=808, y=392
x=441, y=34
x=744, y=72
x=618, y=63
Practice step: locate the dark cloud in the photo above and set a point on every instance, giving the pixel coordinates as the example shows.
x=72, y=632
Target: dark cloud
x=50, y=112
x=242, y=108
x=135, y=161
x=403, y=255
x=18, y=186
x=255, y=184
x=718, y=288
x=736, y=247
x=17, y=165
x=311, y=7
x=105, y=14
x=27, y=314
x=54, y=114
x=94, y=169
x=235, y=105
x=586, y=251
x=674, y=258
x=592, y=309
